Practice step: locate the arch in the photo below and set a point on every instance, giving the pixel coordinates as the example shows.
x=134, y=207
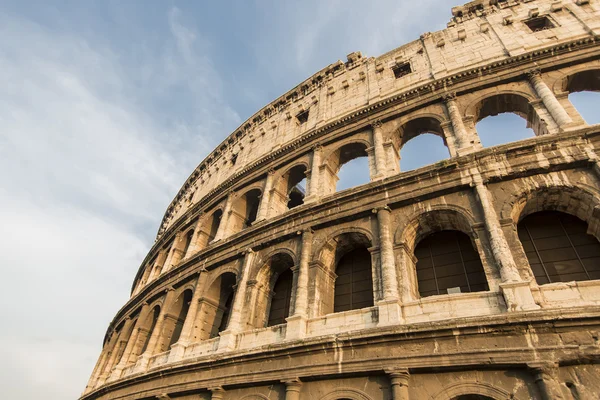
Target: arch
x=244, y=210
x=454, y=391
x=288, y=191
x=215, y=306
x=174, y=320
x=339, y=295
x=435, y=218
x=514, y=102
x=188, y=241
x=558, y=248
x=340, y=156
x=147, y=328
x=582, y=79
x=447, y=262
x=346, y=393
x=265, y=303
x=583, y=88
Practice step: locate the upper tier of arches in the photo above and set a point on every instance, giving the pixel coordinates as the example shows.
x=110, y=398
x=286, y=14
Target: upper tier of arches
x=411, y=75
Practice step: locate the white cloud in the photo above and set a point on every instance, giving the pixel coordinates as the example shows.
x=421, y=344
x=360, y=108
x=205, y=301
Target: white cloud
x=87, y=175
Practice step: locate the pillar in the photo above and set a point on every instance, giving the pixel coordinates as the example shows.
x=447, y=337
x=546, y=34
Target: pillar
x=380, y=164
x=123, y=363
x=544, y=374
x=177, y=252
x=517, y=293
x=550, y=101
x=265, y=202
x=297, y=322
x=313, y=190
x=185, y=338
x=227, y=341
x=292, y=389
x=153, y=343
x=97, y=370
x=460, y=133
x=388, y=264
x=399, y=380
x=222, y=231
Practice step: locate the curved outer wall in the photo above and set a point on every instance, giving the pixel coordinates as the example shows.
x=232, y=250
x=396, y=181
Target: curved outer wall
x=199, y=324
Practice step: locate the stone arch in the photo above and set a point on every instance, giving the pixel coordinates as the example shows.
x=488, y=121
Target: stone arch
x=329, y=257
x=268, y=271
x=579, y=79
x=573, y=84
x=175, y=318
x=244, y=209
x=517, y=102
x=344, y=152
x=215, y=304
x=285, y=193
x=455, y=390
x=346, y=393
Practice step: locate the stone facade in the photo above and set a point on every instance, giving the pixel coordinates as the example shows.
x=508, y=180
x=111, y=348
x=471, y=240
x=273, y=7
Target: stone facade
x=197, y=324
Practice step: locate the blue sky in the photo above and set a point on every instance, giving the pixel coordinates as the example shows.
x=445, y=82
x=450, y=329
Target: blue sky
x=105, y=109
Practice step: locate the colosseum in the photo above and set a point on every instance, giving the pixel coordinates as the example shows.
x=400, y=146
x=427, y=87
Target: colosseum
x=477, y=277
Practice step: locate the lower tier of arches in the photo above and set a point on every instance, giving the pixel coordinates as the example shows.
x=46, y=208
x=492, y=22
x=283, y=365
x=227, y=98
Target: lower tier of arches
x=512, y=357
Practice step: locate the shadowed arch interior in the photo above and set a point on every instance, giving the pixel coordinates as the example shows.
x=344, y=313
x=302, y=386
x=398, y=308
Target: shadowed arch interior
x=175, y=318
x=351, y=157
x=448, y=263
x=215, y=306
x=244, y=210
x=558, y=247
x=274, y=286
x=421, y=142
x=289, y=190
x=150, y=325
x=584, y=94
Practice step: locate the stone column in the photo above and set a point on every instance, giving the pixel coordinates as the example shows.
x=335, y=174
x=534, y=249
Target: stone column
x=460, y=133
x=217, y=393
x=292, y=389
x=222, y=231
x=193, y=247
x=265, y=202
x=157, y=266
x=544, y=374
x=388, y=264
x=313, y=190
x=399, y=380
x=227, y=340
x=98, y=369
x=185, y=338
x=297, y=322
x=154, y=342
x=380, y=164
x=517, y=292
x=550, y=101
x=131, y=341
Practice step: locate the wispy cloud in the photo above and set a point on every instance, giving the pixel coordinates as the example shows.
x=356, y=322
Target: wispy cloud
x=91, y=155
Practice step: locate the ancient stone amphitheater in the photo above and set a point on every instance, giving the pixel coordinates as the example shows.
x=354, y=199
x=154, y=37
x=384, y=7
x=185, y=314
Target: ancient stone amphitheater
x=477, y=277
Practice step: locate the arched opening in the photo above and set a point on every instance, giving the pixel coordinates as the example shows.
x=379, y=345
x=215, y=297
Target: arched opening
x=188, y=242
x=244, y=210
x=472, y=397
x=558, y=247
x=150, y=324
x=584, y=94
x=421, y=143
x=215, y=307
x=354, y=282
x=281, y=300
x=289, y=191
x=347, y=167
x=498, y=120
x=447, y=263
x=274, y=291
x=124, y=338
x=180, y=311
x=215, y=221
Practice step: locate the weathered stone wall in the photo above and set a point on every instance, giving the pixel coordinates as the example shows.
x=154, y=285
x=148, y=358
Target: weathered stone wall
x=519, y=339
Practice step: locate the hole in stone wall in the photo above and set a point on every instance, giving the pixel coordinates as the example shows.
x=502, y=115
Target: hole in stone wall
x=587, y=104
x=424, y=149
x=302, y=117
x=539, y=23
x=504, y=128
x=401, y=70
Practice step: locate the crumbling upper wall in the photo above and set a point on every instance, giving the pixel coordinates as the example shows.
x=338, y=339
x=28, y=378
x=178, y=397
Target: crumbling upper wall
x=479, y=33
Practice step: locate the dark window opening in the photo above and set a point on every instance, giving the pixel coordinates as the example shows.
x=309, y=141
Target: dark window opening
x=558, y=247
x=280, y=302
x=214, y=226
x=447, y=263
x=155, y=314
x=354, y=282
x=296, y=197
x=401, y=70
x=188, y=241
x=186, y=298
x=539, y=24
x=296, y=186
x=302, y=117
x=252, y=203
x=225, y=316
x=234, y=159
